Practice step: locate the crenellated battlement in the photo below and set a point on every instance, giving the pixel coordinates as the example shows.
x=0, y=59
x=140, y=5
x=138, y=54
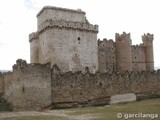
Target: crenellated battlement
x=57, y=70
x=49, y=24
x=33, y=36
x=138, y=45
x=22, y=65
x=148, y=36
x=122, y=37
x=105, y=41
x=147, y=39
x=19, y=64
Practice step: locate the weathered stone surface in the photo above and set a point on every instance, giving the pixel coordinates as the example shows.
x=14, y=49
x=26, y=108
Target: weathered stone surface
x=64, y=37
x=28, y=87
x=90, y=88
x=123, y=98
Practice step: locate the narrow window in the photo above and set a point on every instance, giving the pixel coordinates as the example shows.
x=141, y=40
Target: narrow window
x=100, y=84
x=23, y=89
x=79, y=38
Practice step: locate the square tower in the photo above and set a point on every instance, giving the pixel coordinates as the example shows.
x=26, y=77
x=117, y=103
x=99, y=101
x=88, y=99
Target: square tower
x=64, y=37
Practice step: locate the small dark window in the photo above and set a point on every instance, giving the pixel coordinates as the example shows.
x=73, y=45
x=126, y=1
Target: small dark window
x=100, y=84
x=135, y=57
x=81, y=93
x=79, y=38
x=23, y=89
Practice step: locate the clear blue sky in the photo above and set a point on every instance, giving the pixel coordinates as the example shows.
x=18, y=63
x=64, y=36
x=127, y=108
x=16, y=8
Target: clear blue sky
x=18, y=20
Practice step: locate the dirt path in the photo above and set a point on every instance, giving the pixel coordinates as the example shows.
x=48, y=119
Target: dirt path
x=62, y=113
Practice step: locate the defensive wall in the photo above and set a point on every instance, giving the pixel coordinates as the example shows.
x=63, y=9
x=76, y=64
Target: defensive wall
x=96, y=89
x=28, y=86
x=36, y=86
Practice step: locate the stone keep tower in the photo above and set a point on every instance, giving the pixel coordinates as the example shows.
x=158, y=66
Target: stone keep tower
x=123, y=52
x=148, y=43
x=64, y=37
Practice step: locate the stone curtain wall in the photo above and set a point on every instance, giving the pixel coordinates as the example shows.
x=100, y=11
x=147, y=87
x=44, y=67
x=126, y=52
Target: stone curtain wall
x=36, y=86
x=138, y=57
x=28, y=86
x=94, y=89
x=1, y=84
x=106, y=55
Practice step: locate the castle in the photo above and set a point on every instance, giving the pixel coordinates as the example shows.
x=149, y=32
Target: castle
x=71, y=43
x=69, y=67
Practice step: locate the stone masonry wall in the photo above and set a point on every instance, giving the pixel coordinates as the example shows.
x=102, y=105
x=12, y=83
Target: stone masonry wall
x=138, y=57
x=77, y=88
x=56, y=13
x=28, y=87
x=1, y=84
x=75, y=53
x=36, y=86
x=106, y=55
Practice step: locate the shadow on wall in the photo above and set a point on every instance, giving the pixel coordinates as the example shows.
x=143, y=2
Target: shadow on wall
x=4, y=105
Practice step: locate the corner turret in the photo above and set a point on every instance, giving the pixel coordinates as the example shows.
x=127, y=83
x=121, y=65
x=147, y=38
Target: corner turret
x=34, y=55
x=123, y=52
x=148, y=43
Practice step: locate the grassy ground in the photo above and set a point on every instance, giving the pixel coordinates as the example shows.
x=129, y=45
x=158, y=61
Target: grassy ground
x=108, y=112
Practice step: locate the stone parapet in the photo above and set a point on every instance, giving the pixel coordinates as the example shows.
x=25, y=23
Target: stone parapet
x=48, y=24
x=32, y=36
